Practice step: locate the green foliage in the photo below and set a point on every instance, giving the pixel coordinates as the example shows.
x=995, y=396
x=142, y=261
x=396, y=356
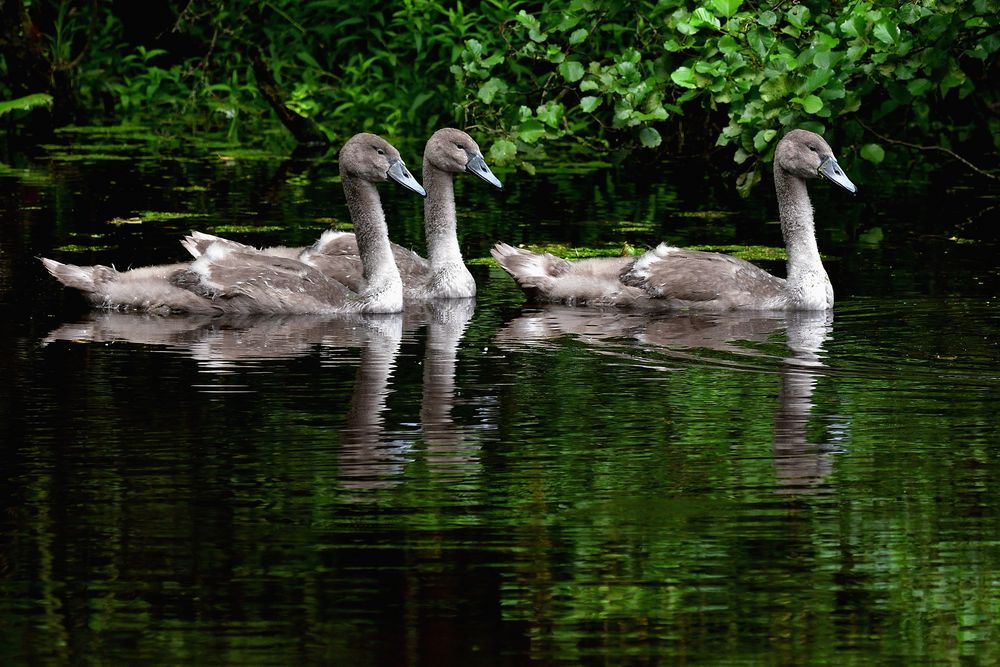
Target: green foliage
x=599, y=73
x=765, y=69
x=26, y=103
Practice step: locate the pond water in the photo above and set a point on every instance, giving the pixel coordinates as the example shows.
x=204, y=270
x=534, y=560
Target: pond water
x=477, y=482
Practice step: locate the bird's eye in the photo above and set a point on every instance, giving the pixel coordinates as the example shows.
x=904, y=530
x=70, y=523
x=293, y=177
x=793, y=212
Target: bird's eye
x=459, y=146
x=380, y=151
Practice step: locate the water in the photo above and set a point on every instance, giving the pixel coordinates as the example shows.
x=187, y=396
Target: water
x=478, y=483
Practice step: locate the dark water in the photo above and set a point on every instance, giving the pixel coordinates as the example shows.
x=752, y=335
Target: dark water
x=473, y=483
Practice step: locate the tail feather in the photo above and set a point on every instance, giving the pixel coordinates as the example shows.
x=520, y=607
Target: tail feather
x=529, y=269
x=198, y=242
x=84, y=278
x=332, y=242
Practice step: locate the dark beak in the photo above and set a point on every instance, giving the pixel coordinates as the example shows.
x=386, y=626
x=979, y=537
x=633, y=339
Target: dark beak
x=477, y=166
x=830, y=170
x=399, y=173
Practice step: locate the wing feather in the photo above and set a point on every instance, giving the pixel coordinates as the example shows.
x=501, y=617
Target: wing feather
x=695, y=277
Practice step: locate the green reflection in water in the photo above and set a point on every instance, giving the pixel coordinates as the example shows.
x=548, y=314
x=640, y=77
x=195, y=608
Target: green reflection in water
x=544, y=485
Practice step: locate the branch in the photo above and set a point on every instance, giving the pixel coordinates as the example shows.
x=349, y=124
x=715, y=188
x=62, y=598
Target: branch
x=58, y=66
x=305, y=130
x=933, y=148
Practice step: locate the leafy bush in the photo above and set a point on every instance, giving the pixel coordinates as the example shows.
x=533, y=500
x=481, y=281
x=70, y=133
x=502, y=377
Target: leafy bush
x=595, y=72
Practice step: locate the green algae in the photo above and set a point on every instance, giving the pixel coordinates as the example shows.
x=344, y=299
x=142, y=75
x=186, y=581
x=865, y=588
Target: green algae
x=243, y=229
x=751, y=253
x=160, y=216
x=72, y=247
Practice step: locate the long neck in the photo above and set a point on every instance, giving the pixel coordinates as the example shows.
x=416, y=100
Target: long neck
x=378, y=264
x=805, y=268
x=439, y=217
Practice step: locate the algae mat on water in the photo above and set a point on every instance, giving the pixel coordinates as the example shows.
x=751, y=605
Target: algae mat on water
x=751, y=253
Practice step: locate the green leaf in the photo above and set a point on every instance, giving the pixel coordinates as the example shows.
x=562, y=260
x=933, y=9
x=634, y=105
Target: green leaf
x=658, y=113
x=746, y=181
x=686, y=28
x=489, y=90
x=25, y=103
x=760, y=41
x=589, y=103
x=726, y=7
x=834, y=91
x=578, y=36
x=816, y=79
x=728, y=45
x=811, y=104
x=767, y=18
x=702, y=17
x=762, y=139
x=952, y=79
x=823, y=59
x=530, y=131
x=873, y=153
x=798, y=16
x=854, y=53
x=886, y=32
x=649, y=137
x=672, y=45
x=684, y=76
x=571, y=70
x=502, y=151
x=550, y=113
x=474, y=47
x=909, y=13
x=853, y=26
x=918, y=87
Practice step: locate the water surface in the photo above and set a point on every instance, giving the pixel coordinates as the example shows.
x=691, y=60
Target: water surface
x=482, y=483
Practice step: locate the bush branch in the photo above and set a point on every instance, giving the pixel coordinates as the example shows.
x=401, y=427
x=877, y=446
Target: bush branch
x=942, y=149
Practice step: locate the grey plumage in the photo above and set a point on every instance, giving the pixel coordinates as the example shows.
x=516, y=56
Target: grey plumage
x=231, y=277
x=668, y=278
x=443, y=274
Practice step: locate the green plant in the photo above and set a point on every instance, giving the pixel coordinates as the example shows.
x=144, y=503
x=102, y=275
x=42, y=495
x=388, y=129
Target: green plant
x=654, y=74
x=592, y=70
x=26, y=103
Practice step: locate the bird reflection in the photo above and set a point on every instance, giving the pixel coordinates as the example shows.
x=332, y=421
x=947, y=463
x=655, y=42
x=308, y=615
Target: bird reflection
x=369, y=457
x=800, y=465
x=367, y=460
x=446, y=324
x=226, y=341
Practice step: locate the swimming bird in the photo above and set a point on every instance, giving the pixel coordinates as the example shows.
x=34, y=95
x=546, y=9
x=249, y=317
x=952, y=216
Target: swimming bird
x=670, y=278
x=233, y=278
x=443, y=274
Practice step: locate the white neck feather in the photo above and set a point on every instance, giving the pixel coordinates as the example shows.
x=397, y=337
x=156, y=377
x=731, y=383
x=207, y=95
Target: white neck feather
x=440, y=222
x=808, y=285
x=372, y=234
